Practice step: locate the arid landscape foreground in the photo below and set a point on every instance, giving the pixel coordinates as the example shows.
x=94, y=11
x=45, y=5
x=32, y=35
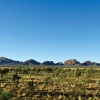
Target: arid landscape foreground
x=49, y=83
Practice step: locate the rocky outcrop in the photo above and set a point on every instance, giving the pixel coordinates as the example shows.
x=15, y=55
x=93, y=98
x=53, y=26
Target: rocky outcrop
x=86, y=63
x=31, y=61
x=71, y=62
x=59, y=63
x=4, y=60
x=48, y=63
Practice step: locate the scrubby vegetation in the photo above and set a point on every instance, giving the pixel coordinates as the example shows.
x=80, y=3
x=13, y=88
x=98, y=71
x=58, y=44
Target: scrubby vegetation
x=49, y=83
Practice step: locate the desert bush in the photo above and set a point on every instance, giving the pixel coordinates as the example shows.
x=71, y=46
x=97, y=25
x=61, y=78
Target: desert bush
x=78, y=73
x=15, y=79
x=5, y=95
x=31, y=85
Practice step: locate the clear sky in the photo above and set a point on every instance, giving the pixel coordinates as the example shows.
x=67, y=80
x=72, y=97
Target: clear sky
x=54, y=30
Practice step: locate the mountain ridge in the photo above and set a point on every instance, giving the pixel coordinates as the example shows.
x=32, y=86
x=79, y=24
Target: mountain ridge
x=4, y=60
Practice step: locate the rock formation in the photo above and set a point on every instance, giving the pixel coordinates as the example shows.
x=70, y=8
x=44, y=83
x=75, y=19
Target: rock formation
x=4, y=60
x=31, y=61
x=71, y=62
x=59, y=63
x=86, y=63
x=48, y=63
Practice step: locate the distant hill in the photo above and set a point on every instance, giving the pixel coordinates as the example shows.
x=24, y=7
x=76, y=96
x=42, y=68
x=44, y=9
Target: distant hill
x=30, y=62
x=4, y=60
x=71, y=62
x=7, y=61
x=48, y=63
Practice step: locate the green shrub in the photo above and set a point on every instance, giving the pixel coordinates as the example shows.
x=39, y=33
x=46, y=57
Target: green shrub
x=5, y=95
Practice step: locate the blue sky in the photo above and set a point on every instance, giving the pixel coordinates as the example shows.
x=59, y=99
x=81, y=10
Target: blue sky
x=54, y=30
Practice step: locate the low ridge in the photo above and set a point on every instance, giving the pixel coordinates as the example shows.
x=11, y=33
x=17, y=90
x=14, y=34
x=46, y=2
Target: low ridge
x=4, y=60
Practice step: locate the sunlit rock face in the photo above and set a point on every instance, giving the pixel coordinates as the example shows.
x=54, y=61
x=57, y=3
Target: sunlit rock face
x=71, y=62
